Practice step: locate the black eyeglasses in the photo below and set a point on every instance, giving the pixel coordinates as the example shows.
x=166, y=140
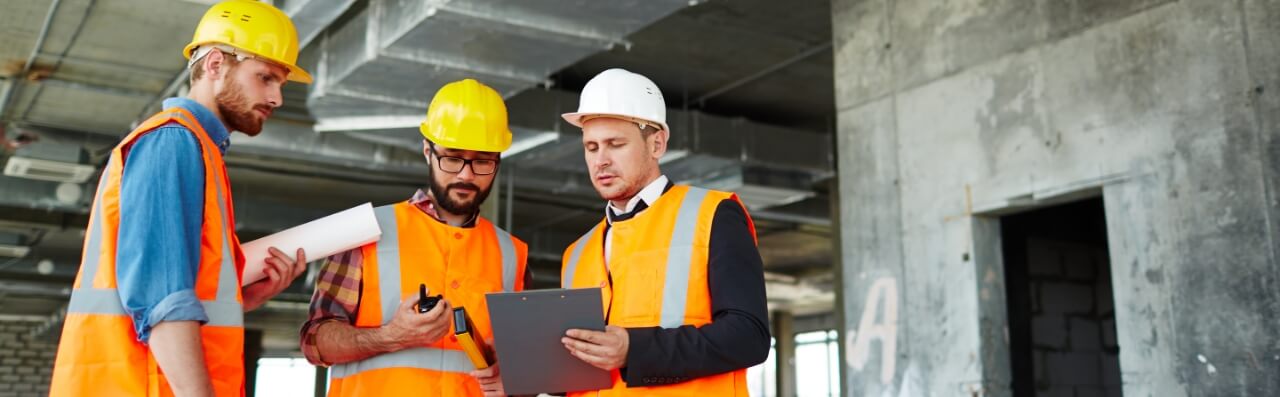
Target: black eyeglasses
x=454, y=165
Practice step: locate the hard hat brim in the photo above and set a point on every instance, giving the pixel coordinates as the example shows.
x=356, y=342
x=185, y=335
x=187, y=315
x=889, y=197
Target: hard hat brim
x=576, y=118
x=296, y=73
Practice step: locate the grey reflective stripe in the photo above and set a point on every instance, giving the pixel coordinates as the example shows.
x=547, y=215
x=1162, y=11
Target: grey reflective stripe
x=224, y=314
x=572, y=266
x=388, y=249
x=508, y=250
x=228, y=283
x=675, y=289
x=93, y=247
x=96, y=301
x=418, y=357
x=106, y=301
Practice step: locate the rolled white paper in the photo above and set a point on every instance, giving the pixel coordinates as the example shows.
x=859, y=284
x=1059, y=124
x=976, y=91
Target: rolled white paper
x=320, y=238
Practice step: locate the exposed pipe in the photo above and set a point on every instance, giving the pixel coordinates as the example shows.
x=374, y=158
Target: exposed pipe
x=763, y=72
x=76, y=85
x=98, y=63
x=75, y=36
x=35, y=51
x=168, y=91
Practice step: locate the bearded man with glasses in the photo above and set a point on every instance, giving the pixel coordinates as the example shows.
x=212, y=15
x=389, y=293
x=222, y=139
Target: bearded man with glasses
x=364, y=323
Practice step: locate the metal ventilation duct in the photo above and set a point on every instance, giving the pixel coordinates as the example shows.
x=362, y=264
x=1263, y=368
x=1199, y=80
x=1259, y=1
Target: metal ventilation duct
x=394, y=54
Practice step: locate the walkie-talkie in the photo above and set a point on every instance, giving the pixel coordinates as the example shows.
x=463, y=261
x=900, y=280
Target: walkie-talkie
x=426, y=303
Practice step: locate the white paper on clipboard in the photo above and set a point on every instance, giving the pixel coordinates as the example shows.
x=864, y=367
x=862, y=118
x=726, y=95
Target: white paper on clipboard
x=320, y=238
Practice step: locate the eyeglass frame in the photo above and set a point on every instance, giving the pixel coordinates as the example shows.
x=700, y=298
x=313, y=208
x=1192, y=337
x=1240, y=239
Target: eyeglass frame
x=431, y=147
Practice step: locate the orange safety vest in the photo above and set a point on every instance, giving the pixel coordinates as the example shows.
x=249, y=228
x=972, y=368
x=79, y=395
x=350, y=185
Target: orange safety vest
x=99, y=353
x=657, y=280
x=463, y=264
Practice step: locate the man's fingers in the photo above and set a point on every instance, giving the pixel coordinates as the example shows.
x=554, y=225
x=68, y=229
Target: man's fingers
x=581, y=346
x=594, y=350
x=278, y=254
x=595, y=361
x=406, y=305
x=440, y=309
x=596, y=337
x=271, y=272
x=485, y=374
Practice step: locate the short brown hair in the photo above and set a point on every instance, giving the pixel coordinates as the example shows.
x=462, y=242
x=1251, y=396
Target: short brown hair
x=197, y=68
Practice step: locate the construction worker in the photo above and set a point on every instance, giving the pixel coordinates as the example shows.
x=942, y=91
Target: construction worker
x=685, y=314
x=363, y=321
x=157, y=307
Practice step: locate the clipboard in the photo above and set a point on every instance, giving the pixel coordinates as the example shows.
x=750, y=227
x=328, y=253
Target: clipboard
x=527, y=327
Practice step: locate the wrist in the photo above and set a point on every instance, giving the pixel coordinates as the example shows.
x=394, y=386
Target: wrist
x=390, y=338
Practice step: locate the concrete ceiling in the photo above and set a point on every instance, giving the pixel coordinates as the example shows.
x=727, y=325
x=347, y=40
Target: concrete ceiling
x=762, y=67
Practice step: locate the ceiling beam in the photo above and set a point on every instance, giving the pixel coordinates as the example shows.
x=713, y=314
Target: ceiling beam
x=763, y=72
x=35, y=51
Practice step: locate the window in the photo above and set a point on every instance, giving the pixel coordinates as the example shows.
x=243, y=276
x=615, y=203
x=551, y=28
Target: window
x=762, y=379
x=288, y=377
x=817, y=364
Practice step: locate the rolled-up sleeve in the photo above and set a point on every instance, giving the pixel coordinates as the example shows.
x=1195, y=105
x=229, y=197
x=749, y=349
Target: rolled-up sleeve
x=161, y=209
x=336, y=298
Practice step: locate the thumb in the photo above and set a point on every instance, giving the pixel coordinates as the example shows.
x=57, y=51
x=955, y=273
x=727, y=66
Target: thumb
x=406, y=305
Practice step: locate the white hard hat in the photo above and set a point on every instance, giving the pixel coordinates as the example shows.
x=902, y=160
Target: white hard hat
x=618, y=93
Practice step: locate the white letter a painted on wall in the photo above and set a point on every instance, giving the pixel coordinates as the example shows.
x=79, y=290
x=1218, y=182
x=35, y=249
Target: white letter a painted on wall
x=885, y=330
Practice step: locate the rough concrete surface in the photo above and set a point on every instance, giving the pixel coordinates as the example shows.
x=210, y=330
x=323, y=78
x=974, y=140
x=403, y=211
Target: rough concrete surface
x=953, y=113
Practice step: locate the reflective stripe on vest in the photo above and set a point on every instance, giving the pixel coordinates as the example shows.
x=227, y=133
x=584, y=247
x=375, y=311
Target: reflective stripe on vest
x=675, y=287
x=224, y=310
x=388, y=257
x=443, y=360
x=567, y=280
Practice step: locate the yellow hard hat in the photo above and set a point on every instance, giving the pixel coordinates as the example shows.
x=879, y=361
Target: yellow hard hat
x=257, y=28
x=467, y=115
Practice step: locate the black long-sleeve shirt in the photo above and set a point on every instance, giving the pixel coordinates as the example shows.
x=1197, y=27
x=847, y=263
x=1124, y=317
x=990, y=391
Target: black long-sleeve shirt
x=738, y=335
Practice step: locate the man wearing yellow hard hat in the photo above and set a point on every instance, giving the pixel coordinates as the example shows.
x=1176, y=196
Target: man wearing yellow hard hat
x=364, y=320
x=157, y=307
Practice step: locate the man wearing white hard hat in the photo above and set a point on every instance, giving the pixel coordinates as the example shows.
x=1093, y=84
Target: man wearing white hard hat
x=681, y=276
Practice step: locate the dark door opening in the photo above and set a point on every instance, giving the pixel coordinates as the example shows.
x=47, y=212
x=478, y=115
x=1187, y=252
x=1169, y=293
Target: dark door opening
x=1062, y=331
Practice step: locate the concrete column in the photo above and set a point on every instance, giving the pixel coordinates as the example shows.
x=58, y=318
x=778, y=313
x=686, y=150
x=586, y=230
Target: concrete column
x=322, y=381
x=784, y=354
x=951, y=114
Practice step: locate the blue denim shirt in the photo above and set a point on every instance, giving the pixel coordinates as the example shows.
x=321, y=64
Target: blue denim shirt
x=161, y=209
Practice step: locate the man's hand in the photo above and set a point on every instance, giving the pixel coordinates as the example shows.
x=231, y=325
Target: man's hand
x=280, y=271
x=410, y=329
x=490, y=381
x=605, y=350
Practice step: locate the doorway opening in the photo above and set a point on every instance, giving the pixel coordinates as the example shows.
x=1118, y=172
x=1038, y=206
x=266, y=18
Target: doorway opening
x=1062, y=330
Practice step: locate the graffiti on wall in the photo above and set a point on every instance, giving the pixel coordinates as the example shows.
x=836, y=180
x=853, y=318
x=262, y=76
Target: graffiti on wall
x=879, y=323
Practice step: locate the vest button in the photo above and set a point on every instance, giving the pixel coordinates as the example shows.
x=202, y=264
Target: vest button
x=455, y=284
x=457, y=236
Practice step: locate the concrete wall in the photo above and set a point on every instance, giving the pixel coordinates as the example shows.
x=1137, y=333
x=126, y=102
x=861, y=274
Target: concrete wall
x=25, y=365
x=953, y=112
